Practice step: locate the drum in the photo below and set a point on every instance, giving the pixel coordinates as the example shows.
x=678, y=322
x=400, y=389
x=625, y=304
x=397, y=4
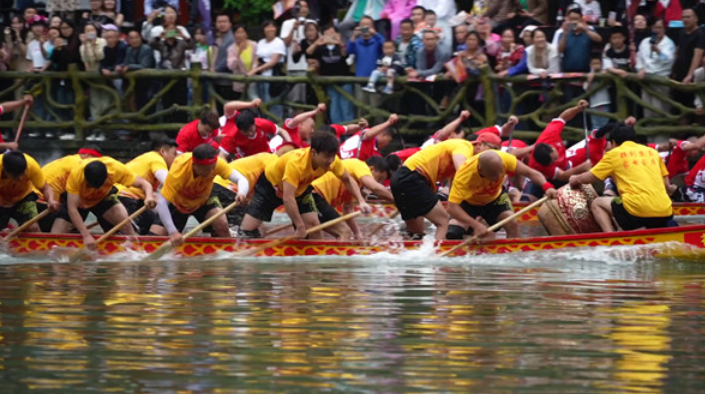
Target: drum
x=570, y=212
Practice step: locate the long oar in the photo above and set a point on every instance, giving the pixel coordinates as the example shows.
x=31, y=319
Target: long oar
x=168, y=246
x=23, y=119
x=277, y=229
x=83, y=253
x=26, y=225
x=380, y=226
x=495, y=227
x=253, y=251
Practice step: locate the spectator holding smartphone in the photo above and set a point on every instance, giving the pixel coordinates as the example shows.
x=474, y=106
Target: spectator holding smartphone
x=292, y=32
x=656, y=56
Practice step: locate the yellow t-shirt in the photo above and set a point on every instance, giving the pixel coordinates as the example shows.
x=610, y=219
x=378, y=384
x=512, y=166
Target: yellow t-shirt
x=332, y=188
x=186, y=192
x=251, y=167
x=145, y=166
x=295, y=168
x=435, y=163
x=11, y=191
x=57, y=173
x=89, y=197
x=246, y=57
x=469, y=186
x=638, y=172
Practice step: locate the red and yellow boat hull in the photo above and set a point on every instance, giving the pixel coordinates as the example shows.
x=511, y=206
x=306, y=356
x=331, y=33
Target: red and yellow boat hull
x=692, y=237
x=679, y=209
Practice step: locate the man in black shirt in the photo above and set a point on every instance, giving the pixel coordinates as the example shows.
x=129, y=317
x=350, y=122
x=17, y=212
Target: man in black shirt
x=330, y=53
x=689, y=55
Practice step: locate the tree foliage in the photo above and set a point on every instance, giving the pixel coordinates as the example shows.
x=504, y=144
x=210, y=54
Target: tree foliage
x=251, y=11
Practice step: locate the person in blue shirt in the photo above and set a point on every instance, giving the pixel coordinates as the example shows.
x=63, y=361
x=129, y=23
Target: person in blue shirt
x=366, y=45
x=408, y=43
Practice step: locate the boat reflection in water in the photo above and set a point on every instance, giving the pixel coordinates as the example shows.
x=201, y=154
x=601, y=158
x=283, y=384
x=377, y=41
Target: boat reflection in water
x=553, y=322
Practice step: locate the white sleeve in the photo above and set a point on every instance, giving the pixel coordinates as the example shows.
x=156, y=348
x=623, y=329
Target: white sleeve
x=165, y=215
x=161, y=176
x=243, y=185
x=287, y=26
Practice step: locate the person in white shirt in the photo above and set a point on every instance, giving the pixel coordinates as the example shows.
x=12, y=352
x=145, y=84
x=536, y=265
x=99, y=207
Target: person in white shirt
x=542, y=58
x=591, y=10
x=271, y=52
x=38, y=53
x=292, y=33
x=655, y=56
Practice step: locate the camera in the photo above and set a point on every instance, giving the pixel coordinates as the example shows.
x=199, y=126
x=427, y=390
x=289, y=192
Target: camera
x=297, y=9
x=573, y=25
x=364, y=30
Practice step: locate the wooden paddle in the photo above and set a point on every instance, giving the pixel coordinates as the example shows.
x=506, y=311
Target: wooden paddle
x=26, y=225
x=83, y=253
x=23, y=119
x=277, y=229
x=263, y=247
x=168, y=246
x=495, y=227
x=380, y=226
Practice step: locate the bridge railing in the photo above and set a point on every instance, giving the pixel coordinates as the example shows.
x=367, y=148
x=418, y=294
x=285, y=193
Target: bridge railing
x=491, y=99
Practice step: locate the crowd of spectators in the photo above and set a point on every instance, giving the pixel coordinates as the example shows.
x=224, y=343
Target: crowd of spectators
x=378, y=40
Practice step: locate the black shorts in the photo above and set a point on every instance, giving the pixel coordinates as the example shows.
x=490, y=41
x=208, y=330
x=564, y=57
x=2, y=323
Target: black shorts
x=143, y=222
x=181, y=218
x=491, y=211
x=265, y=201
x=326, y=212
x=98, y=210
x=412, y=194
x=227, y=197
x=629, y=222
x=22, y=211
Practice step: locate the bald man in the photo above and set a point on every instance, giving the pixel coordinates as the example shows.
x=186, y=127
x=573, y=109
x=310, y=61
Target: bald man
x=477, y=192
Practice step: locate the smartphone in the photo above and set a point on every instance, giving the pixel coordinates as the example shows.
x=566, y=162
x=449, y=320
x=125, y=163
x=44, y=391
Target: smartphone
x=573, y=25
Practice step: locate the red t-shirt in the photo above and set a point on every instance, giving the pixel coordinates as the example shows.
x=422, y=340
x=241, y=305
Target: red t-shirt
x=577, y=155
x=551, y=136
x=404, y=154
x=340, y=130
x=188, y=138
x=1, y=112
x=356, y=147
x=696, y=176
x=676, y=161
x=237, y=143
x=294, y=134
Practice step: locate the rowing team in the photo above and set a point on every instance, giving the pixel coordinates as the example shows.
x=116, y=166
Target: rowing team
x=311, y=172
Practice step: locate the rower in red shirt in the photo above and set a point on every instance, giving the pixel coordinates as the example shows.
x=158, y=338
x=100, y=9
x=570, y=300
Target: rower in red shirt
x=249, y=136
x=367, y=143
x=205, y=130
x=300, y=128
x=12, y=106
x=549, y=155
x=677, y=154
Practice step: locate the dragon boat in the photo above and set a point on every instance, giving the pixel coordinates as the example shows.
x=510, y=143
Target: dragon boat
x=688, y=239
x=679, y=210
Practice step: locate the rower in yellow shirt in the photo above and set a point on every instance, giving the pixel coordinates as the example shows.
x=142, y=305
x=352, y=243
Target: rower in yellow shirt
x=414, y=185
x=642, y=180
x=288, y=181
x=20, y=174
x=478, y=191
x=57, y=173
x=251, y=167
x=90, y=188
x=153, y=166
x=329, y=192
x=187, y=192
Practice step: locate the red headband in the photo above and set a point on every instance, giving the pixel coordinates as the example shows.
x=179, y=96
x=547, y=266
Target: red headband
x=87, y=151
x=204, y=162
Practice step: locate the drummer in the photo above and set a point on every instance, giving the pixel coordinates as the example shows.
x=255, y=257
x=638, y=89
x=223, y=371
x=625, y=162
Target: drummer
x=642, y=180
x=248, y=135
x=478, y=191
x=549, y=155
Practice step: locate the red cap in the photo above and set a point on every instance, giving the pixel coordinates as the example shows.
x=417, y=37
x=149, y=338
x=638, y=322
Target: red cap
x=515, y=144
x=488, y=138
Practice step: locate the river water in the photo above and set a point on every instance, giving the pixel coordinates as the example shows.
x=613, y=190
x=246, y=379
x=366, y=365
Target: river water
x=579, y=322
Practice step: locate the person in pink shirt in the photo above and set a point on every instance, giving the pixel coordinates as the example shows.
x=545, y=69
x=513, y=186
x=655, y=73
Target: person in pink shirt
x=396, y=11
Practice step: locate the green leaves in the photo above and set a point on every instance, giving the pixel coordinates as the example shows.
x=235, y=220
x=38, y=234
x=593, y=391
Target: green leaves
x=251, y=12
